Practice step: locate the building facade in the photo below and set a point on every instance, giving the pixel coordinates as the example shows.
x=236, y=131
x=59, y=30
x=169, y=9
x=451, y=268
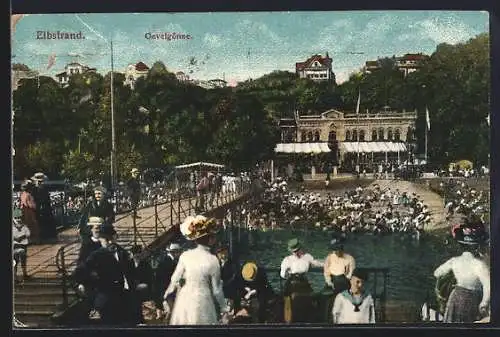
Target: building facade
x=410, y=63
x=316, y=68
x=348, y=140
x=133, y=72
x=71, y=69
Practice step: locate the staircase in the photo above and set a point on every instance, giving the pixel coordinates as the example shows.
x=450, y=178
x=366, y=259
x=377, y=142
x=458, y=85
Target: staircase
x=38, y=299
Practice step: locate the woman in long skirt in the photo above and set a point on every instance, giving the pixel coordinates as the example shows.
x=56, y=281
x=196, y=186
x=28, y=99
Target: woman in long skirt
x=28, y=208
x=471, y=295
x=197, y=278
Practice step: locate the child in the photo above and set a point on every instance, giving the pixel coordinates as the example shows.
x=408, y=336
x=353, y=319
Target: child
x=354, y=306
x=20, y=236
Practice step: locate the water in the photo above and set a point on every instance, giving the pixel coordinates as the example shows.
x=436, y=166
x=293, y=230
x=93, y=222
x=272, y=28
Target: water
x=411, y=263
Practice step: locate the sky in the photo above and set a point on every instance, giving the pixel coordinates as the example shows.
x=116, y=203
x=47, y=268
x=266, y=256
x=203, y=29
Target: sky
x=238, y=46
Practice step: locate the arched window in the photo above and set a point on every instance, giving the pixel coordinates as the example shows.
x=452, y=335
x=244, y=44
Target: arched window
x=303, y=137
x=309, y=136
x=316, y=136
x=332, y=136
x=348, y=135
x=381, y=134
x=389, y=134
x=361, y=135
x=397, y=135
x=355, y=135
x=374, y=135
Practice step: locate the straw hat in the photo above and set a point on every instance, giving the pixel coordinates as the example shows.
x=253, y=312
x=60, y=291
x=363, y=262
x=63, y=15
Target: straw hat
x=39, y=176
x=194, y=228
x=95, y=221
x=134, y=170
x=249, y=271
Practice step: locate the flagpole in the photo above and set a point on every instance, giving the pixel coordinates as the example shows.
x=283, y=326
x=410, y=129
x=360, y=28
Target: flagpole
x=357, y=127
x=426, y=131
x=113, y=133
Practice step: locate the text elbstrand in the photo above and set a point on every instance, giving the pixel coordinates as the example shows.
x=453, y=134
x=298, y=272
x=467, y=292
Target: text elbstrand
x=58, y=35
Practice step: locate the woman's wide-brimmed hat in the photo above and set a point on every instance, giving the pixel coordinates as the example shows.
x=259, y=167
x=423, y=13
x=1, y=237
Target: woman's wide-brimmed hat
x=294, y=245
x=39, y=176
x=249, y=271
x=196, y=227
x=134, y=170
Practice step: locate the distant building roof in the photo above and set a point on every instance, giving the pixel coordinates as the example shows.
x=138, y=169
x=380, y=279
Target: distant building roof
x=324, y=61
x=74, y=64
x=140, y=66
x=416, y=57
x=372, y=63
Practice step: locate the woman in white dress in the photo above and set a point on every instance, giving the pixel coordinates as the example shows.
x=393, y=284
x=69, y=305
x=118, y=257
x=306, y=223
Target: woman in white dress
x=199, y=298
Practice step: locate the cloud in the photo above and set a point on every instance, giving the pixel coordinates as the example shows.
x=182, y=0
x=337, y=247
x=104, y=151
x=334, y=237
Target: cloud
x=447, y=30
x=213, y=40
x=258, y=31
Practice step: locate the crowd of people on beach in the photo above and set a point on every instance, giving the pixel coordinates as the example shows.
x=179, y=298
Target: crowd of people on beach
x=116, y=284
x=371, y=210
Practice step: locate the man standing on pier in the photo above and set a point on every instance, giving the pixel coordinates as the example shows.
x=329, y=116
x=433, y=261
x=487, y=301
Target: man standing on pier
x=134, y=187
x=98, y=207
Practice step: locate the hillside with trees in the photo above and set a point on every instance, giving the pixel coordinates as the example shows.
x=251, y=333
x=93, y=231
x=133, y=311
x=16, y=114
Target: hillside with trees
x=66, y=132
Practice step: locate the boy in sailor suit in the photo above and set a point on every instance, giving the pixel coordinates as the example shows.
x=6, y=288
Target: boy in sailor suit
x=354, y=306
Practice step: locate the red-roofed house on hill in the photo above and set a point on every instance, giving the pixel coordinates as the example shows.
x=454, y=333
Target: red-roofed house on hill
x=134, y=72
x=316, y=68
x=410, y=62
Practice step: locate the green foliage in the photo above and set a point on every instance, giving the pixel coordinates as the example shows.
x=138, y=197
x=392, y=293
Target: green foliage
x=166, y=122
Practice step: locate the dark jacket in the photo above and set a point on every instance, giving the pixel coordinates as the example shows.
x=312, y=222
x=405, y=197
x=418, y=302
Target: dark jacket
x=134, y=188
x=228, y=276
x=87, y=247
x=102, y=272
x=103, y=210
x=259, y=305
x=162, y=276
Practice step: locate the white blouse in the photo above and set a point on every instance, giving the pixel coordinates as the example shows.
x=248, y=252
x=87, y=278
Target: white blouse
x=470, y=273
x=292, y=264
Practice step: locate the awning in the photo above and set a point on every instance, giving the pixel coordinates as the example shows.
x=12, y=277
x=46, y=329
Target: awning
x=302, y=148
x=372, y=147
x=199, y=164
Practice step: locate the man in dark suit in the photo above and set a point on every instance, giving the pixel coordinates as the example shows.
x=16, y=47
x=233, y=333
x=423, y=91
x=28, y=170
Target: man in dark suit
x=111, y=269
x=134, y=188
x=98, y=207
x=87, y=247
x=254, y=292
x=44, y=212
x=163, y=274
